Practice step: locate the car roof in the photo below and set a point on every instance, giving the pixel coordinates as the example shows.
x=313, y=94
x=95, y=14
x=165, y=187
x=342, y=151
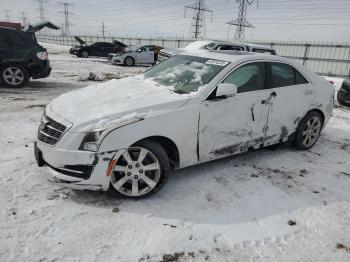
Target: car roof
x=7, y=28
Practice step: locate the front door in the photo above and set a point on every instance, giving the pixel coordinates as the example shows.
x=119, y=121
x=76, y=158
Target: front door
x=294, y=95
x=234, y=124
x=145, y=55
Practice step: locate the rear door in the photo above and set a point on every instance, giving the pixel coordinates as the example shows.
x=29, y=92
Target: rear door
x=294, y=96
x=108, y=48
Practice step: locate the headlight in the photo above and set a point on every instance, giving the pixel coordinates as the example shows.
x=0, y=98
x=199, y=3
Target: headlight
x=93, y=139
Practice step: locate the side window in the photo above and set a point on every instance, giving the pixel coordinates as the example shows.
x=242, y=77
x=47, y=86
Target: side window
x=285, y=75
x=282, y=75
x=17, y=40
x=250, y=77
x=5, y=44
x=151, y=48
x=299, y=79
x=144, y=49
x=230, y=47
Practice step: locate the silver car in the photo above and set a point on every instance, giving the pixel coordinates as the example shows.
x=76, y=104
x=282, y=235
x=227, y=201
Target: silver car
x=135, y=55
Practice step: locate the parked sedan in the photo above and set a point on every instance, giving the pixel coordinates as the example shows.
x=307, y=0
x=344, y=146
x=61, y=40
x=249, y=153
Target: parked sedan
x=129, y=134
x=101, y=49
x=135, y=55
x=343, y=95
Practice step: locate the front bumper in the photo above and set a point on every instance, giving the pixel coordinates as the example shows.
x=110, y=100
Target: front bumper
x=76, y=169
x=343, y=97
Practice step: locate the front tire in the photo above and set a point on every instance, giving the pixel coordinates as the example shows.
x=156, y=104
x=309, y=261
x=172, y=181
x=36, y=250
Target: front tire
x=14, y=76
x=84, y=54
x=309, y=131
x=141, y=170
x=129, y=61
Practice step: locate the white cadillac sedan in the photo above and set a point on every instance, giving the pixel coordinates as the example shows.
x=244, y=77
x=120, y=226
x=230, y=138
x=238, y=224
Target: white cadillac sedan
x=128, y=135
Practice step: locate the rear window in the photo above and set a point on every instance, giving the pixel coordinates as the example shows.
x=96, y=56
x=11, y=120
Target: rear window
x=285, y=75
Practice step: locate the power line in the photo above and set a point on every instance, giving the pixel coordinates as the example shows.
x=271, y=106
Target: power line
x=41, y=9
x=24, y=19
x=66, y=13
x=103, y=29
x=198, y=18
x=241, y=22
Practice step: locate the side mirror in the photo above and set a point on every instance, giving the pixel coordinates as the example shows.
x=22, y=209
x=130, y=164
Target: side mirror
x=226, y=90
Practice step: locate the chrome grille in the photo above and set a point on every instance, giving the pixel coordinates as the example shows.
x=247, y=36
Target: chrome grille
x=50, y=131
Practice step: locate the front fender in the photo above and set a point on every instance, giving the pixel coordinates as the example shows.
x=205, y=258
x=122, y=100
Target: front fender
x=180, y=126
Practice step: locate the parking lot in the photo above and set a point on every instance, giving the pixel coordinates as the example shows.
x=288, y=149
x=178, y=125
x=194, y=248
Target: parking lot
x=273, y=204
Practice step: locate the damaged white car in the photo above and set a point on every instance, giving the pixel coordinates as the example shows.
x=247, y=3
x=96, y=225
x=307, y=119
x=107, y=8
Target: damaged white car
x=128, y=135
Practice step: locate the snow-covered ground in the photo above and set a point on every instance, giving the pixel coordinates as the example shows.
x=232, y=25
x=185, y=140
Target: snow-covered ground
x=275, y=204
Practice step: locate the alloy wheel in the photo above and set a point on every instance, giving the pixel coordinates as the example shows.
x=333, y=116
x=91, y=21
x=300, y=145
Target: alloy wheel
x=13, y=76
x=136, y=173
x=311, y=131
x=129, y=62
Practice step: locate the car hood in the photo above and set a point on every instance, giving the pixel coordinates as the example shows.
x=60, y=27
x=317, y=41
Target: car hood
x=80, y=41
x=116, y=100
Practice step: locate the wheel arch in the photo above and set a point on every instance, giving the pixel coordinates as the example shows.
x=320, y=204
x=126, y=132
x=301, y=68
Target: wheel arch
x=318, y=111
x=169, y=146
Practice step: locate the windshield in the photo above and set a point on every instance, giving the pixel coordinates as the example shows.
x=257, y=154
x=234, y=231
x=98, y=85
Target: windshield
x=186, y=74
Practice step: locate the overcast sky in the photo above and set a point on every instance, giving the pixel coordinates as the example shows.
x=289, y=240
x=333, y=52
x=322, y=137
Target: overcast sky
x=313, y=20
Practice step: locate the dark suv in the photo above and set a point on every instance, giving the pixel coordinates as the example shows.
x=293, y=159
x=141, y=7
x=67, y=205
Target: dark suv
x=21, y=57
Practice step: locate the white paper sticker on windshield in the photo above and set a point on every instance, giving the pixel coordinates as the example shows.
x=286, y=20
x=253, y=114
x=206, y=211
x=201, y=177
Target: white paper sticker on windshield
x=216, y=62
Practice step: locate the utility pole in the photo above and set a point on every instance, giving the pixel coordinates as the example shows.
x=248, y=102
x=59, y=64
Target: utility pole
x=7, y=15
x=241, y=22
x=41, y=9
x=24, y=19
x=103, y=29
x=198, y=19
x=66, y=13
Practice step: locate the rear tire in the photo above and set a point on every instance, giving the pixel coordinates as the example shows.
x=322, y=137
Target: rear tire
x=142, y=170
x=309, y=130
x=14, y=76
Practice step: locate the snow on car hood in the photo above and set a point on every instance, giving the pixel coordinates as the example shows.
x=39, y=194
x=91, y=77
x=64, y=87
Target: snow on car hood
x=89, y=107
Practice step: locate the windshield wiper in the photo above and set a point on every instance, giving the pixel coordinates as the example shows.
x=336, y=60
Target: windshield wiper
x=180, y=92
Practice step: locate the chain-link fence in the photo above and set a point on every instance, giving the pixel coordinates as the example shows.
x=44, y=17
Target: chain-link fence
x=331, y=59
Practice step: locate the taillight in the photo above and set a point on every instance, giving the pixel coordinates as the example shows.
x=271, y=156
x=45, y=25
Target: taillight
x=42, y=55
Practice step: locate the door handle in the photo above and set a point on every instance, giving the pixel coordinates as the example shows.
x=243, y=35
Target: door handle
x=273, y=94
